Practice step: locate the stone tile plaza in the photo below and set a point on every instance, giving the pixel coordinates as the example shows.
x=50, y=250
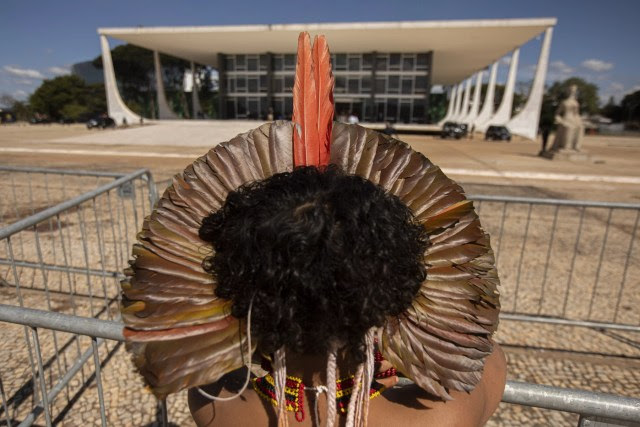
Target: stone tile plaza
x=564, y=228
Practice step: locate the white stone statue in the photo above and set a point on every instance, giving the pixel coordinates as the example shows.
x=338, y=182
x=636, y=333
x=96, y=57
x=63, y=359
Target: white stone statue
x=570, y=130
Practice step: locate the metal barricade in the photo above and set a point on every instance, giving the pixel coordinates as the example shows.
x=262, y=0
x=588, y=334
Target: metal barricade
x=66, y=259
x=616, y=409
x=67, y=256
x=566, y=262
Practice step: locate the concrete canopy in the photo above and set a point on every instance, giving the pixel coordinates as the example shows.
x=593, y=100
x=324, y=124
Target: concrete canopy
x=460, y=47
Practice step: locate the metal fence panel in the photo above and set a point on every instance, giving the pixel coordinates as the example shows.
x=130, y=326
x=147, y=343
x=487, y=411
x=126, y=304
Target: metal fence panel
x=68, y=239
x=67, y=236
x=565, y=259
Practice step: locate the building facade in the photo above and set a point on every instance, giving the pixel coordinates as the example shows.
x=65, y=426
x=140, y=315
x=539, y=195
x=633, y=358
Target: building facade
x=384, y=71
x=373, y=86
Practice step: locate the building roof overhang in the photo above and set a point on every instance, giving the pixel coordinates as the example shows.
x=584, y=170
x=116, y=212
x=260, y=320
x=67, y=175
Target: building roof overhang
x=460, y=47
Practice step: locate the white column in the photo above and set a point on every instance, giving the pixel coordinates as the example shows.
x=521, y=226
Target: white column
x=525, y=123
x=195, y=100
x=475, y=104
x=116, y=107
x=464, y=110
x=452, y=96
x=164, y=111
x=503, y=114
x=482, y=121
x=458, y=104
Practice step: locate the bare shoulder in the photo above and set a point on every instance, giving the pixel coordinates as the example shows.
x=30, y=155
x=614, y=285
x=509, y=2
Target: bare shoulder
x=414, y=406
x=208, y=413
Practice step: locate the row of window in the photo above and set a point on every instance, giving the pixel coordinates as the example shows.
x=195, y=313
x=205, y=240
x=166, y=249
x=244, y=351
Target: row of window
x=407, y=62
x=385, y=84
x=397, y=110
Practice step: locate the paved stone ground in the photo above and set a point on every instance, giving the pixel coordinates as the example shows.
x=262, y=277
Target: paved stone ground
x=560, y=356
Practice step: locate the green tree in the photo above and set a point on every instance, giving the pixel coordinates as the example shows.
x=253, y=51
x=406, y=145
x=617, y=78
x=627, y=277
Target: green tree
x=20, y=109
x=631, y=108
x=612, y=111
x=558, y=91
x=68, y=97
x=587, y=94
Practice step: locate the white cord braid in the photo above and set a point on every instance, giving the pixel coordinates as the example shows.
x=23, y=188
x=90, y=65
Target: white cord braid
x=332, y=406
x=368, y=375
x=246, y=363
x=280, y=379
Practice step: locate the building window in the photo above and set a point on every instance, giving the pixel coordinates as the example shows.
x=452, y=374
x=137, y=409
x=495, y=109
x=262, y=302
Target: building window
x=288, y=83
x=340, y=85
x=394, y=84
x=289, y=62
x=252, y=63
x=382, y=62
x=241, y=63
x=241, y=84
x=264, y=63
x=408, y=63
x=229, y=63
x=354, y=86
x=365, y=84
x=367, y=61
x=420, y=84
x=407, y=85
x=253, y=85
x=354, y=62
x=421, y=63
x=394, y=61
x=340, y=62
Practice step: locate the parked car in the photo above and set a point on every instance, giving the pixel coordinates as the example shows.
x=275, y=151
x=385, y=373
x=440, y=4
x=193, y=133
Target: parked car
x=454, y=130
x=497, y=133
x=101, y=122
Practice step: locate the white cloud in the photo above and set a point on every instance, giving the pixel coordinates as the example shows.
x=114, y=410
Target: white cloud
x=23, y=72
x=560, y=67
x=616, y=87
x=597, y=65
x=59, y=71
x=20, y=94
x=25, y=82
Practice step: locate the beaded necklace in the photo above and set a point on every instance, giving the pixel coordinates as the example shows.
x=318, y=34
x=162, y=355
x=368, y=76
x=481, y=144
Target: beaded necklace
x=294, y=392
x=294, y=388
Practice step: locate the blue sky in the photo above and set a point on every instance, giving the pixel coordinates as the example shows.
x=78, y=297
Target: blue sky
x=593, y=39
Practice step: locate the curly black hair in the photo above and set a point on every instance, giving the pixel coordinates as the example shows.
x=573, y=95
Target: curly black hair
x=327, y=256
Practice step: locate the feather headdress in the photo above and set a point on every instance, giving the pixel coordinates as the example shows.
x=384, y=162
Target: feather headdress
x=182, y=335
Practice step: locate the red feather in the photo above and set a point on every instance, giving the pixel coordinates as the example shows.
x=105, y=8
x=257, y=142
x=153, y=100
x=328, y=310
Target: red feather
x=324, y=87
x=312, y=103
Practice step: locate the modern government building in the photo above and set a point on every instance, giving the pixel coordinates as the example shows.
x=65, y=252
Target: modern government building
x=384, y=71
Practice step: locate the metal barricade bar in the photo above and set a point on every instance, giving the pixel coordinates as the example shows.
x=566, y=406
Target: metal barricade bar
x=78, y=172
x=541, y=396
x=553, y=202
x=61, y=207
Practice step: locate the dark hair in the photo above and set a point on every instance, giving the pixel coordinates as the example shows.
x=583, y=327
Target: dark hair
x=327, y=256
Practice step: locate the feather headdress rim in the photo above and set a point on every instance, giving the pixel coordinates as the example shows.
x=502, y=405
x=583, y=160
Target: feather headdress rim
x=183, y=336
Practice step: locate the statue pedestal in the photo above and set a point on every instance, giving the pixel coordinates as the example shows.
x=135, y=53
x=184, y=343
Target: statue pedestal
x=571, y=155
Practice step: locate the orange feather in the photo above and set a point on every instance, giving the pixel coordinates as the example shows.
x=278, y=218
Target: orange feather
x=324, y=86
x=312, y=103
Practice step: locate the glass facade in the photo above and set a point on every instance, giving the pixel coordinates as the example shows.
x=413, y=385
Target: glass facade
x=374, y=86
